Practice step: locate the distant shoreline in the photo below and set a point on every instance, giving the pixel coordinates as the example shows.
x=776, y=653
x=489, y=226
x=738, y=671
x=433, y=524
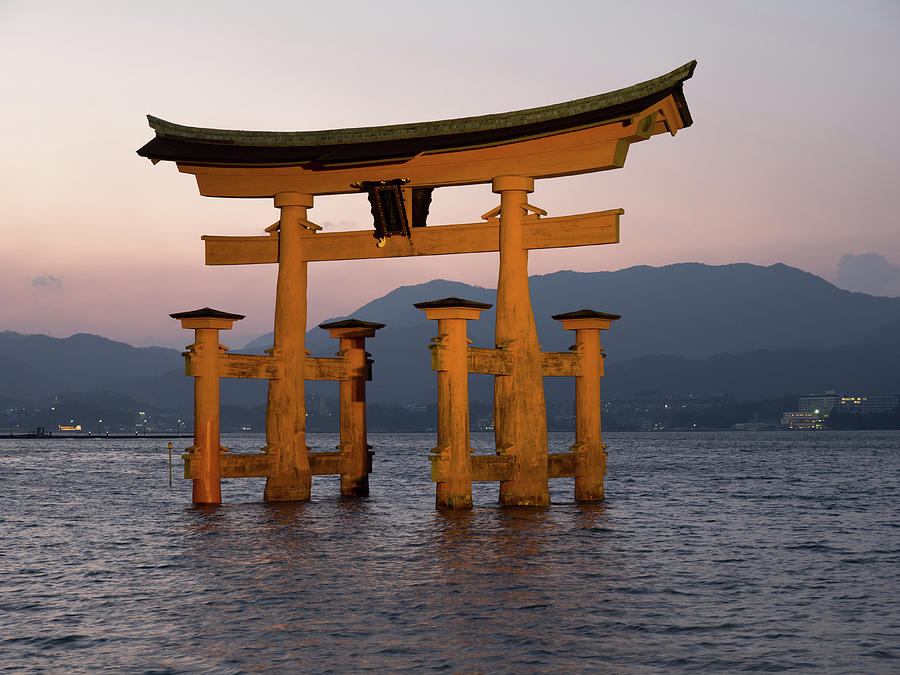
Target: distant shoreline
x=35, y=437
x=38, y=437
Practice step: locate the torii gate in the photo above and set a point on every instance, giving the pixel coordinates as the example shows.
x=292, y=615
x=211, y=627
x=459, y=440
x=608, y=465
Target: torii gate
x=399, y=166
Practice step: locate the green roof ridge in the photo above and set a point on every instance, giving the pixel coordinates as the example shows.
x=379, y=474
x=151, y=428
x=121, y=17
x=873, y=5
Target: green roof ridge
x=662, y=85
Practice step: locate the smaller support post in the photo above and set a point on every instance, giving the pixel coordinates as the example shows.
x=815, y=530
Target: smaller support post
x=352, y=406
x=204, y=367
x=587, y=325
x=451, y=465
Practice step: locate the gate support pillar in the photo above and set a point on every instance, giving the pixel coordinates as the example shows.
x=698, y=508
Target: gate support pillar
x=520, y=415
x=451, y=463
x=203, y=365
x=291, y=478
x=352, y=403
x=587, y=325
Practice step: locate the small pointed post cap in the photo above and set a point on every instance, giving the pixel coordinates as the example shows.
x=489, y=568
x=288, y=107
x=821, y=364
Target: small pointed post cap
x=453, y=301
x=207, y=313
x=206, y=317
x=452, y=308
x=586, y=318
x=351, y=328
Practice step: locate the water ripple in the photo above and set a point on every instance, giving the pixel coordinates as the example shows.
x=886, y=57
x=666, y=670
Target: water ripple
x=713, y=553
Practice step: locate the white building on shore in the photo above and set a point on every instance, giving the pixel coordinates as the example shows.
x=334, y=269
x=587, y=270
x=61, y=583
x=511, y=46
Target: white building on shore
x=816, y=408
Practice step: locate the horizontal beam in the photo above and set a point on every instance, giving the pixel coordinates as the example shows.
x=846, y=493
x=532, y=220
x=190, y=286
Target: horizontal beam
x=485, y=468
x=586, y=229
x=489, y=361
x=597, y=148
x=491, y=467
x=560, y=364
x=563, y=465
x=251, y=366
x=260, y=465
x=245, y=366
x=499, y=362
x=241, y=250
x=255, y=366
x=235, y=465
x=479, y=360
x=328, y=463
x=327, y=369
x=583, y=151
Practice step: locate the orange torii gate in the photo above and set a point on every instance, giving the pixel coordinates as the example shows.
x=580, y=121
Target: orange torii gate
x=399, y=166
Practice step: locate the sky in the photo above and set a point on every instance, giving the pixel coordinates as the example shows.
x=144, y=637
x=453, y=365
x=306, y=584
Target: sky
x=794, y=155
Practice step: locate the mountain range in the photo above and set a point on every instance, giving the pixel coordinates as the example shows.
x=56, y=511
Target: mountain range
x=742, y=329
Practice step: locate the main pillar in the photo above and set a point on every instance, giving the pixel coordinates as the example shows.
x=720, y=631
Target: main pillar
x=352, y=402
x=203, y=365
x=291, y=478
x=520, y=416
x=587, y=325
x=451, y=464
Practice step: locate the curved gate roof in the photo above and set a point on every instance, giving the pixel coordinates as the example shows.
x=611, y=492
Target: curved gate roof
x=400, y=142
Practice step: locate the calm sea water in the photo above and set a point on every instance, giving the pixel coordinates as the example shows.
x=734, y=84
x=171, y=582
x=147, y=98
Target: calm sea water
x=714, y=552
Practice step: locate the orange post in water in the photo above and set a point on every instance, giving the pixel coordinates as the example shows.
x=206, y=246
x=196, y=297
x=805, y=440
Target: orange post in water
x=520, y=417
x=291, y=478
x=202, y=362
x=591, y=452
x=352, y=403
x=451, y=465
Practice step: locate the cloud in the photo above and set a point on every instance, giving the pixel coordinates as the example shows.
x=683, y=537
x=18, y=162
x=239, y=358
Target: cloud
x=868, y=273
x=48, y=281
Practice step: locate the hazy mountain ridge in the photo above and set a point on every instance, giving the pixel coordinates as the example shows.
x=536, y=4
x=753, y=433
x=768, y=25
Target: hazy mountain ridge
x=32, y=366
x=869, y=365
x=748, y=330
x=689, y=309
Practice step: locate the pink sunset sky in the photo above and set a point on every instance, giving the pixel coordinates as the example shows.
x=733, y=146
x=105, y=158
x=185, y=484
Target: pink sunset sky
x=794, y=155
